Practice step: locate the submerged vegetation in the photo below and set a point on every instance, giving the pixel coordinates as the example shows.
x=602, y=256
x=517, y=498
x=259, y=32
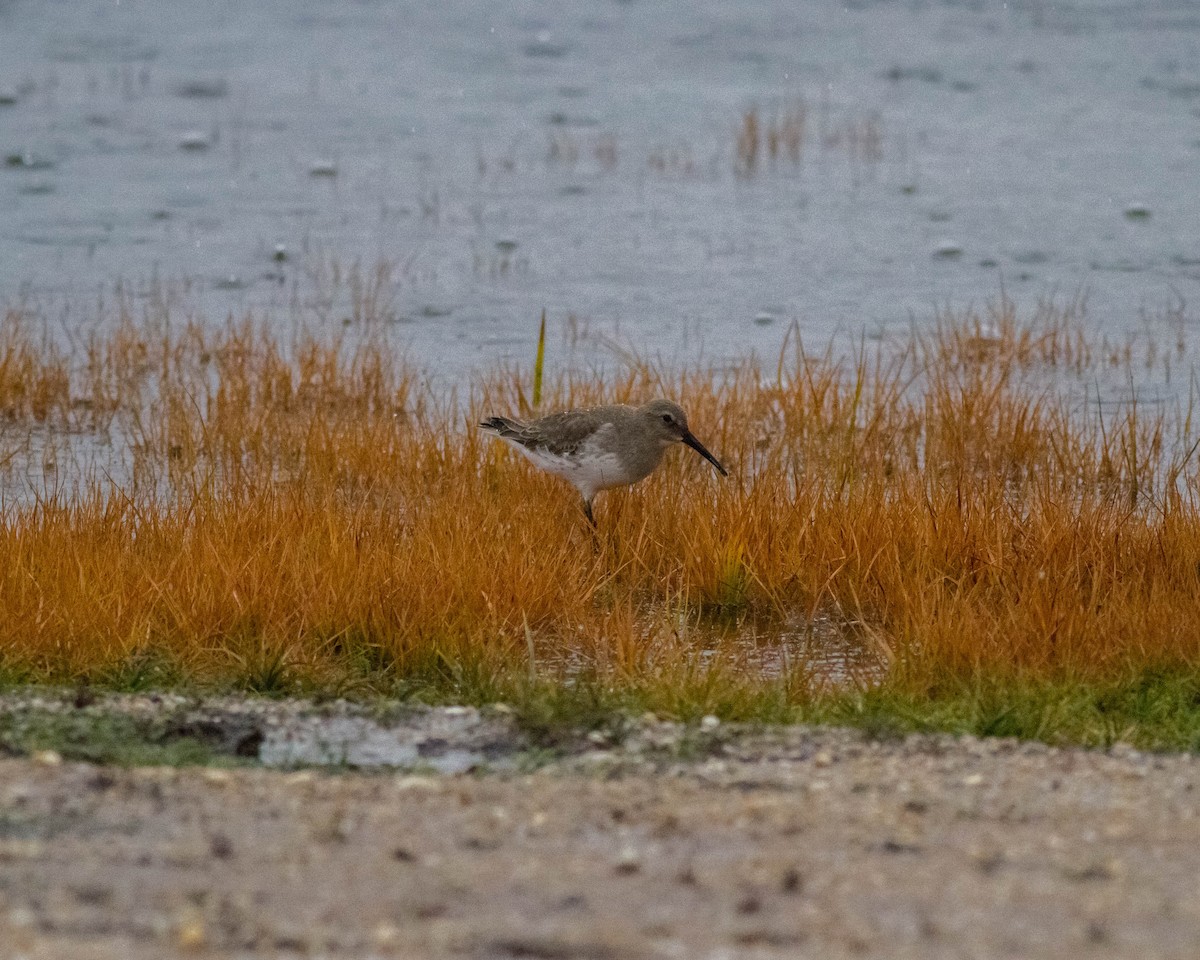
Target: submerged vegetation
x=983, y=549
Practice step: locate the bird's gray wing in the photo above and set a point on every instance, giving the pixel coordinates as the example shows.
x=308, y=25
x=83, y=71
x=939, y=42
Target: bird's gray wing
x=557, y=433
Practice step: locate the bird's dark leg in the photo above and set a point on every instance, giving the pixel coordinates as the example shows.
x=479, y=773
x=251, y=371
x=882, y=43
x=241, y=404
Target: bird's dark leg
x=592, y=528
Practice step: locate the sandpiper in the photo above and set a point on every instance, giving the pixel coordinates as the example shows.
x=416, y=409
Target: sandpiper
x=601, y=447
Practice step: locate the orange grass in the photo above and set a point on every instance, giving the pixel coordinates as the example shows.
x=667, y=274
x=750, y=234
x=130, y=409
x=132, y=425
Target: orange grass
x=299, y=511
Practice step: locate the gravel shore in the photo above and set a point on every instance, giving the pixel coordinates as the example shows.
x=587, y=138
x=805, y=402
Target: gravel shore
x=666, y=842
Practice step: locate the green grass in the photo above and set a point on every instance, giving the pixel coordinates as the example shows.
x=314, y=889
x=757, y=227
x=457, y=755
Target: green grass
x=1152, y=710
x=99, y=736
x=1157, y=710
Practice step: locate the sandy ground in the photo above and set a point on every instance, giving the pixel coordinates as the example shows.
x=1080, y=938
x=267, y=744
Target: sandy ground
x=790, y=843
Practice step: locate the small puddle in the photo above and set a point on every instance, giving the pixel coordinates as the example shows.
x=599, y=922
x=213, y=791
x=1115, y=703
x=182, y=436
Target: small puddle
x=448, y=741
x=829, y=651
x=832, y=653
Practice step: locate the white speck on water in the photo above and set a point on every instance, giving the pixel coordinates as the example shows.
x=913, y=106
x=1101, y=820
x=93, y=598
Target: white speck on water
x=195, y=140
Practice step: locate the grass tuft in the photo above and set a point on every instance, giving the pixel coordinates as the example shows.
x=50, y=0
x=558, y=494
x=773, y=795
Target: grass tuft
x=929, y=531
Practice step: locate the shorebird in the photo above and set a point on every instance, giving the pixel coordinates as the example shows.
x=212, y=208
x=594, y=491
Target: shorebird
x=601, y=447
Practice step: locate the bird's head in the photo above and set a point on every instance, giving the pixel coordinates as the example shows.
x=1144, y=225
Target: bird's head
x=667, y=421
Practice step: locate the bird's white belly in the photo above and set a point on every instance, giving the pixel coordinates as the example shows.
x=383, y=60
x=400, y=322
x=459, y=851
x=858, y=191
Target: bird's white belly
x=590, y=469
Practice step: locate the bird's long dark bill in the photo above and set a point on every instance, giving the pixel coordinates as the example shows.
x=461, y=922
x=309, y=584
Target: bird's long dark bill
x=696, y=445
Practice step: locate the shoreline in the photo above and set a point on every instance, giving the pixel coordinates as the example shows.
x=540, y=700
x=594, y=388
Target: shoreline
x=675, y=841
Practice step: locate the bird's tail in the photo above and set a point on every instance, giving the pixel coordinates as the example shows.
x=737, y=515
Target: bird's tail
x=500, y=426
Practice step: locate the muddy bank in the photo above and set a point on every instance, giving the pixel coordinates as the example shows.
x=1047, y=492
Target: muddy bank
x=673, y=842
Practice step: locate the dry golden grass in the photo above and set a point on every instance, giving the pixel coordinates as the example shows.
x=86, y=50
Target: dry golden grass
x=290, y=509
x=761, y=139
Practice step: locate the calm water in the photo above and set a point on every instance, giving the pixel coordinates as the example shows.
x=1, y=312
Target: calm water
x=582, y=158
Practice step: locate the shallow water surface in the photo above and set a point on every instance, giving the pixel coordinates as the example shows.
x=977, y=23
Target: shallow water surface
x=585, y=158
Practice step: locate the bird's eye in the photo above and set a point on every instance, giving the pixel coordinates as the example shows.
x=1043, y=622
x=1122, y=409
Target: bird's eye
x=667, y=418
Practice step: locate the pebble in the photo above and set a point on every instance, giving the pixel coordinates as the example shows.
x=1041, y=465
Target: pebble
x=417, y=783
x=21, y=917
x=191, y=934
x=47, y=758
x=21, y=849
x=709, y=723
x=629, y=860
x=385, y=934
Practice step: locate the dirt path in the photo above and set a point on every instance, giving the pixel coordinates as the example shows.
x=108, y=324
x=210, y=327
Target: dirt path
x=791, y=843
